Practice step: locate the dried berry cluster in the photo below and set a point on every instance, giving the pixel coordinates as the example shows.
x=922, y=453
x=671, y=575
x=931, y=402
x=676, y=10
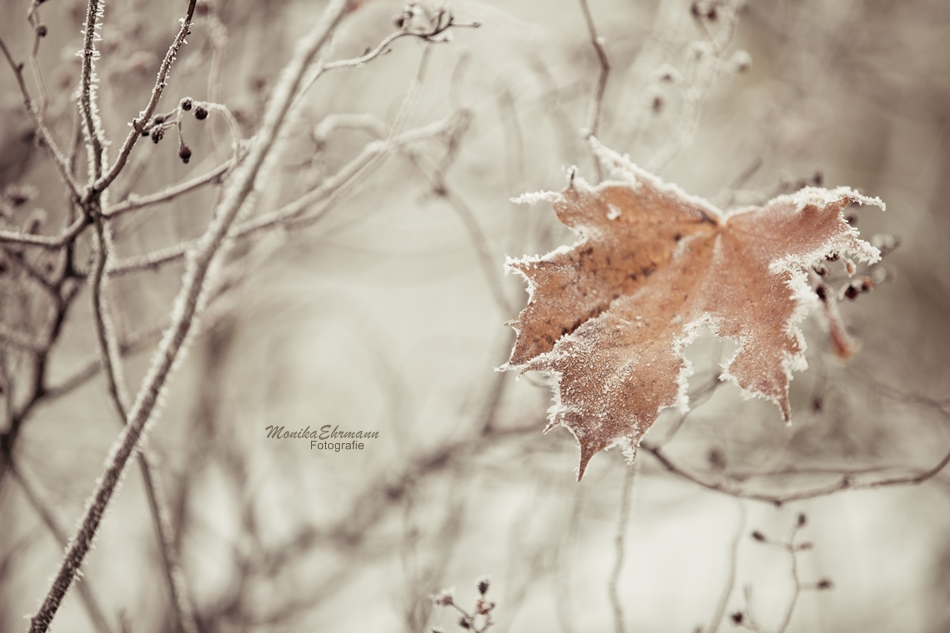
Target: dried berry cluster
x=160, y=123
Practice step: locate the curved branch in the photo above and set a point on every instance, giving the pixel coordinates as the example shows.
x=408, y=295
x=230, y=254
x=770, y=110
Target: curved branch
x=845, y=482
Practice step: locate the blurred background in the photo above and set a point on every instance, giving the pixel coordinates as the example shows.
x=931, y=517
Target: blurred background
x=386, y=314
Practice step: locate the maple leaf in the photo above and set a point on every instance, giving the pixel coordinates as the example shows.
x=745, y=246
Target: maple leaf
x=609, y=317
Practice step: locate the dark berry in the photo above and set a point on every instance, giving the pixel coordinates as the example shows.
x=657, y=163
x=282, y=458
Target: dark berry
x=201, y=113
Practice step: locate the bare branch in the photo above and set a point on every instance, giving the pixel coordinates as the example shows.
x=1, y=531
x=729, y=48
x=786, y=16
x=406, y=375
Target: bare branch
x=327, y=193
x=88, y=92
x=133, y=203
x=49, y=243
x=44, y=137
x=845, y=482
x=620, y=540
x=188, y=303
x=145, y=115
x=91, y=369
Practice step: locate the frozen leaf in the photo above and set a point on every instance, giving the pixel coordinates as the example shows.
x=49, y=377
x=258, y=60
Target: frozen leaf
x=609, y=317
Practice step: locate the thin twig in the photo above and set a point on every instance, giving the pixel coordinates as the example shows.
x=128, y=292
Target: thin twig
x=620, y=540
x=731, y=579
x=110, y=355
x=845, y=482
x=91, y=369
x=44, y=137
x=443, y=22
x=597, y=100
x=293, y=211
x=38, y=35
x=145, y=115
x=108, y=343
x=134, y=203
x=707, y=71
x=49, y=243
x=487, y=260
x=21, y=262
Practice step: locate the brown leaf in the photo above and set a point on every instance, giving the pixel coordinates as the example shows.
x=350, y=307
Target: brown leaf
x=608, y=318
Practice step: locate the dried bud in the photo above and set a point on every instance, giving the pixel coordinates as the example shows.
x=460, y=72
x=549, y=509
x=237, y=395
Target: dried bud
x=464, y=623
x=821, y=270
x=737, y=618
x=444, y=598
x=184, y=153
x=822, y=292
x=851, y=218
x=818, y=178
x=851, y=292
x=185, y=104
x=41, y=30
x=201, y=113
x=158, y=119
x=483, y=584
x=824, y=584
x=158, y=134
x=802, y=519
x=833, y=257
x=758, y=536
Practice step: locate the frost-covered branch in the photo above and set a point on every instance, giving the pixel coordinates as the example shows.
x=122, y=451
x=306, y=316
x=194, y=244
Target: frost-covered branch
x=134, y=203
x=188, y=305
x=101, y=183
x=43, y=133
